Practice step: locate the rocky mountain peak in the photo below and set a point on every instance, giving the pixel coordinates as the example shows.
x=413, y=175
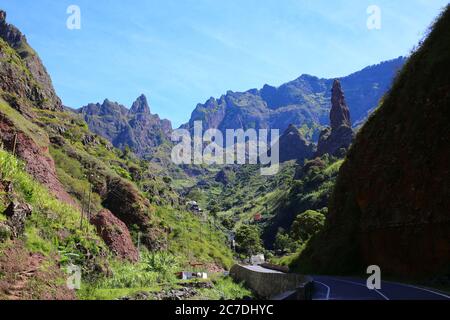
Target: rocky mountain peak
x=136, y=127
x=43, y=95
x=2, y=16
x=340, y=113
x=140, y=105
x=10, y=33
x=305, y=100
x=340, y=135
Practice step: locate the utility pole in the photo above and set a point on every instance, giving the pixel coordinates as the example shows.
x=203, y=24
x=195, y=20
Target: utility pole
x=89, y=200
x=83, y=202
x=139, y=245
x=89, y=209
x=14, y=144
x=210, y=229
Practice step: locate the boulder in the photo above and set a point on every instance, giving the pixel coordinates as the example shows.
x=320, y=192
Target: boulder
x=17, y=214
x=116, y=235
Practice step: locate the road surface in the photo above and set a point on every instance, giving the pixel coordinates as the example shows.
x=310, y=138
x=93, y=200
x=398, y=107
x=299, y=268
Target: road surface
x=346, y=288
x=343, y=288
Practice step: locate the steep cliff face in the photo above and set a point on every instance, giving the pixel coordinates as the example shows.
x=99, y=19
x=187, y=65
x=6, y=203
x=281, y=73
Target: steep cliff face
x=340, y=135
x=391, y=204
x=136, y=128
x=42, y=94
x=299, y=102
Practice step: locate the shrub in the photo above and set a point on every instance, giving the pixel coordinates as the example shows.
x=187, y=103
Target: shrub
x=248, y=240
x=306, y=225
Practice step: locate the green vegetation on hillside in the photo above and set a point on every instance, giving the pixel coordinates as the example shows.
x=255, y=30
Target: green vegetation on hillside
x=87, y=165
x=50, y=220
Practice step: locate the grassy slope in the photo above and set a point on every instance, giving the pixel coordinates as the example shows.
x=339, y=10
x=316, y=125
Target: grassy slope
x=74, y=160
x=191, y=240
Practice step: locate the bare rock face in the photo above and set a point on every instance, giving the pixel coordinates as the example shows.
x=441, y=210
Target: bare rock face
x=140, y=106
x=38, y=161
x=293, y=146
x=43, y=94
x=337, y=139
x=340, y=113
x=17, y=214
x=125, y=202
x=136, y=128
x=116, y=235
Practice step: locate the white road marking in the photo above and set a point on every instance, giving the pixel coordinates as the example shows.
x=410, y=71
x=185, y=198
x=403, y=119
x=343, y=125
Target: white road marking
x=362, y=285
x=419, y=288
x=328, y=288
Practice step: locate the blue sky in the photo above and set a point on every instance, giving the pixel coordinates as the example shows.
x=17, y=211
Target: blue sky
x=181, y=52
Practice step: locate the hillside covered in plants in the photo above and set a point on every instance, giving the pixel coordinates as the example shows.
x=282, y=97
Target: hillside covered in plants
x=92, y=195
x=68, y=197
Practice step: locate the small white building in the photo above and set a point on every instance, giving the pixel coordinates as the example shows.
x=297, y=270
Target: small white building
x=257, y=259
x=192, y=275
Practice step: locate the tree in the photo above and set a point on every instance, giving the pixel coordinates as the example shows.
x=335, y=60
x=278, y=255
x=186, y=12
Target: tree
x=228, y=223
x=248, y=240
x=306, y=225
x=282, y=240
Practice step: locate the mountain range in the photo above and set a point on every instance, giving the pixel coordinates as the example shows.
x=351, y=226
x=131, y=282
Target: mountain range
x=304, y=101
x=136, y=128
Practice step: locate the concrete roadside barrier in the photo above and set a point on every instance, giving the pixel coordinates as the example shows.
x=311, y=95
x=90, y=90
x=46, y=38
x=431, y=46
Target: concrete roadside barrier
x=273, y=284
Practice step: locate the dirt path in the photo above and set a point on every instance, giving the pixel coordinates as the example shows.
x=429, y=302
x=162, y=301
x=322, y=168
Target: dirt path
x=28, y=276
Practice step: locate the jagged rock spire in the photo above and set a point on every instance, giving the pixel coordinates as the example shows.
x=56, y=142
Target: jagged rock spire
x=340, y=113
x=340, y=135
x=140, y=105
x=2, y=16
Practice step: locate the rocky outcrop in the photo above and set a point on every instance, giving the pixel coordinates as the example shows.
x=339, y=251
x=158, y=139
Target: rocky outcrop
x=293, y=146
x=391, y=203
x=39, y=163
x=337, y=139
x=136, y=128
x=299, y=102
x=17, y=213
x=340, y=113
x=38, y=87
x=116, y=235
x=127, y=204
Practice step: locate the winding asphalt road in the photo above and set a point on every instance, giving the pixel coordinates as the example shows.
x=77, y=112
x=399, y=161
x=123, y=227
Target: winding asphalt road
x=346, y=288
x=343, y=288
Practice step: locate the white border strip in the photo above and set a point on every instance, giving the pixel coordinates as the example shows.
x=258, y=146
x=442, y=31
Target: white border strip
x=328, y=289
x=361, y=285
